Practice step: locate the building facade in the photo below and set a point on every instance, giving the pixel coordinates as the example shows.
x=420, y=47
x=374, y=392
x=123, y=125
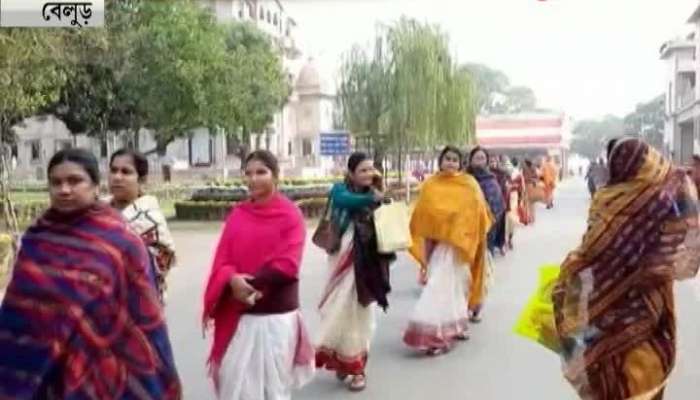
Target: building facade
x=682, y=122
x=293, y=135
x=529, y=135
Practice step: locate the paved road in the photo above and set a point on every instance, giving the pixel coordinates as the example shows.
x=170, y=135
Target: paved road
x=494, y=364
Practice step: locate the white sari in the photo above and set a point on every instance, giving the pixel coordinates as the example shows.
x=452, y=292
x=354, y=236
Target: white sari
x=346, y=326
x=441, y=315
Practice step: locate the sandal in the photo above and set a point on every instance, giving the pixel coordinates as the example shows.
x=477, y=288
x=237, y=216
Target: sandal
x=435, y=351
x=341, y=376
x=474, y=318
x=358, y=383
x=464, y=336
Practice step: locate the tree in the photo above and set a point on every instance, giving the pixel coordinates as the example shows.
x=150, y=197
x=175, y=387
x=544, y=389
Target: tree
x=519, y=99
x=365, y=93
x=590, y=136
x=647, y=122
x=488, y=84
x=406, y=92
x=31, y=75
x=255, y=72
x=95, y=101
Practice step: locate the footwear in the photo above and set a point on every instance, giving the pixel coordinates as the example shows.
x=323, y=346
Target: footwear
x=435, y=351
x=464, y=336
x=341, y=376
x=358, y=383
x=474, y=318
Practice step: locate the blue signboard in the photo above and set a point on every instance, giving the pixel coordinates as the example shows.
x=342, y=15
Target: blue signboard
x=335, y=144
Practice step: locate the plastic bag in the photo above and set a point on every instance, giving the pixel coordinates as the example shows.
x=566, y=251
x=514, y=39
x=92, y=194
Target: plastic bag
x=536, y=321
x=391, y=222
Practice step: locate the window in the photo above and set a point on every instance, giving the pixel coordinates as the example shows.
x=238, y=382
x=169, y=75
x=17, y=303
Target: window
x=262, y=14
x=269, y=17
x=240, y=13
x=35, y=146
x=274, y=20
x=15, y=151
x=251, y=12
x=231, y=146
x=289, y=148
x=307, y=147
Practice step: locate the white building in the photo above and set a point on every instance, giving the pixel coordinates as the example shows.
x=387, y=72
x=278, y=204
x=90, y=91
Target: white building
x=293, y=135
x=682, y=130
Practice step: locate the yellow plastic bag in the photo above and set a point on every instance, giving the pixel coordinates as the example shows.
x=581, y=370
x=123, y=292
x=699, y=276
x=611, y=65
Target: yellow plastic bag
x=536, y=321
x=391, y=222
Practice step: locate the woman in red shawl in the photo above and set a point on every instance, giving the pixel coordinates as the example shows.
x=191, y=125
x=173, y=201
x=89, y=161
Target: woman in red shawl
x=81, y=318
x=260, y=349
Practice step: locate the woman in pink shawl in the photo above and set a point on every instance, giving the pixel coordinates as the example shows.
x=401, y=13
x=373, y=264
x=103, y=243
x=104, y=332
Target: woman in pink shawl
x=261, y=349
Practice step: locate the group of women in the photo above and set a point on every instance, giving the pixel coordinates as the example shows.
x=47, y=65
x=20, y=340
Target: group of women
x=83, y=314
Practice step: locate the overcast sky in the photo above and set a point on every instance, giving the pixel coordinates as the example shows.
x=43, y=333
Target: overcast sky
x=586, y=57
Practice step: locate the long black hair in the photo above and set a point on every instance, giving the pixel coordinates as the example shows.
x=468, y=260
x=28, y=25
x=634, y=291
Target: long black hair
x=450, y=149
x=79, y=156
x=139, y=160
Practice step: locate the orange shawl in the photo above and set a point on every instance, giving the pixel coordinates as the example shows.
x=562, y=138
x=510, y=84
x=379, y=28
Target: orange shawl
x=451, y=208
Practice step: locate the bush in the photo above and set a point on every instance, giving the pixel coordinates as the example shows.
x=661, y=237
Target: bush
x=203, y=210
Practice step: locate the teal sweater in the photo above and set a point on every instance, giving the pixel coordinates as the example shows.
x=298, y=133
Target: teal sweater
x=344, y=203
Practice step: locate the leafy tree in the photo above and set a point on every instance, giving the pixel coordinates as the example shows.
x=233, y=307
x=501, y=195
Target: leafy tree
x=647, y=122
x=406, y=92
x=31, y=75
x=488, y=83
x=256, y=87
x=590, y=136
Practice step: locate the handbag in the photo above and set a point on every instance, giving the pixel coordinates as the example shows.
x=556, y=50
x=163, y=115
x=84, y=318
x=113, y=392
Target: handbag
x=327, y=234
x=391, y=223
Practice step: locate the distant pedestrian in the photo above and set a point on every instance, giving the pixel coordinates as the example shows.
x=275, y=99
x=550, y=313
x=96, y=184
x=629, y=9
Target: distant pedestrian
x=549, y=178
x=613, y=302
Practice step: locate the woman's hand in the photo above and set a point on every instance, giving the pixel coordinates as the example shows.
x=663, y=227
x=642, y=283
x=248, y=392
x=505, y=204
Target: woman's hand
x=378, y=195
x=244, y=291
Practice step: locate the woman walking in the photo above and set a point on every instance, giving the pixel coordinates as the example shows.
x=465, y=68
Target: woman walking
x=549, y=178
x=478, y=168
x=613, y=302
x=449, y=227
x=260, y=349
x=81, y=317
x=504, y=182
x=531, y=178
x=359, y=276
x=128, y=171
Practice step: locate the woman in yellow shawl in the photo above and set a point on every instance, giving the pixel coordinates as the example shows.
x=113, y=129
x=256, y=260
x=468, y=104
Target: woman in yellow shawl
x=449, y=228
x=549, y=178
x=613, y=302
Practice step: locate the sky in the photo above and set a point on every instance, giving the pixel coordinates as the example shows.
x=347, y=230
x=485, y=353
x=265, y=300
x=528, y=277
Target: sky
x=587, y=58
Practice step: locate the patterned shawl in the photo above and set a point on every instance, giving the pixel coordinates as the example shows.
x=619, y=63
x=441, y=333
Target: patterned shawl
x=491, y=188
x=613, y=302
x=81, y=317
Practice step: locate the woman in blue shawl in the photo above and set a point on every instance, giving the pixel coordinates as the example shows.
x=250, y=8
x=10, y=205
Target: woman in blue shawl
x=478, y=168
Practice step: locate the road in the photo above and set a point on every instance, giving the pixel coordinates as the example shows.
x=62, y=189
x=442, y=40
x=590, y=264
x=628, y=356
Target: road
x=494, y=364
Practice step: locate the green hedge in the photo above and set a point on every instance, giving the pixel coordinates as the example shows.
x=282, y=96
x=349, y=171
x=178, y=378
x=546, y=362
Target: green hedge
x=203, y=210
x=218, y=210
